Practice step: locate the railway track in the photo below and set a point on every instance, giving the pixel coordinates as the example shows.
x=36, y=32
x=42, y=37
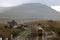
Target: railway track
x=29, y=35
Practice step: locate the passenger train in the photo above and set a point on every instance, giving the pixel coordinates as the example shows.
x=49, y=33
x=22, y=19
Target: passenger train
x=40, y=31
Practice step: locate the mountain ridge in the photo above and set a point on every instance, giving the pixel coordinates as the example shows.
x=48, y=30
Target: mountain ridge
x=32, y=11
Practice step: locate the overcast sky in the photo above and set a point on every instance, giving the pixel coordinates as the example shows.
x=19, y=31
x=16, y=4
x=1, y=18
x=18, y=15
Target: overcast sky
x=16, y=2
x=55, y=4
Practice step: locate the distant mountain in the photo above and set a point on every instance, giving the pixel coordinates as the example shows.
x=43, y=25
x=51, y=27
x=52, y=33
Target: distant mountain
x=31, y=11
x=3, y=9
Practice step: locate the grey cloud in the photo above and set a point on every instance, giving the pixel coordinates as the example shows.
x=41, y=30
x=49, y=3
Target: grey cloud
x=47, y=2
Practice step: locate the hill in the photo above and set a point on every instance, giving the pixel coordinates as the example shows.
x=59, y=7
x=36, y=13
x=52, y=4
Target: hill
x=31, y=11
